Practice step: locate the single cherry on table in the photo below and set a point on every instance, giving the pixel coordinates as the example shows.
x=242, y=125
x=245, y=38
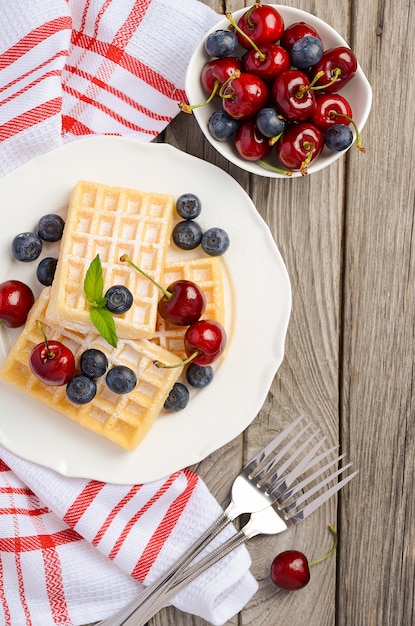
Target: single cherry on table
x=290, y=570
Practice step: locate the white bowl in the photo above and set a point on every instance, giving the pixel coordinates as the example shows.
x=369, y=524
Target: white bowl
x=357, y=91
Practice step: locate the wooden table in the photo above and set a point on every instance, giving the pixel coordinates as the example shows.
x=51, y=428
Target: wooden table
x=346, y=235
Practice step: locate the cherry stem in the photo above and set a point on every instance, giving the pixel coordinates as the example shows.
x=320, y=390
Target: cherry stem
x=232, y=77
x=126, y=259
x=274, y=168
x=336, y=73
x=50, y=353
x=261, y=55
x=181, y=364
x=274, y=139
x=309, y=146
x=188, y=108
x=332, y=549
x=313, y=87
x=334, y=114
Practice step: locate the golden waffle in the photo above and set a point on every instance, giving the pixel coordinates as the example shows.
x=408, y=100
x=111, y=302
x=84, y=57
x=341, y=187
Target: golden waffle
x=111, y=221
x=124, y=419
x=206, y=272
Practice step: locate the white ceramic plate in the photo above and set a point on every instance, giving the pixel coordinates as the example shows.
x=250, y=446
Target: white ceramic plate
x=358, y=92
x=258, y=310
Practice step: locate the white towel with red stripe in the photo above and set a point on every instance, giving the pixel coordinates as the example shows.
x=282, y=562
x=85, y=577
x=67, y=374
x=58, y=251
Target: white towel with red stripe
x=70, y=68
x=73, y=551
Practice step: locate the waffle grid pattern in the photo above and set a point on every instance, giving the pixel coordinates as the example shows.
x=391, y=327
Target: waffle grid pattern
x=111, y=221
x=206, y=272
x=123, y=419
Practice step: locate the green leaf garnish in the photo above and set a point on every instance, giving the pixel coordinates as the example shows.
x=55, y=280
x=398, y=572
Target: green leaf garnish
x=94, y=281
x=105, y=325
x=100, y=316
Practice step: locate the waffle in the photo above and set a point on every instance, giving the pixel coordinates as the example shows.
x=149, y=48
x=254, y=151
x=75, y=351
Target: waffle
x=206, y=272
x=123, y=419
x=111, y=221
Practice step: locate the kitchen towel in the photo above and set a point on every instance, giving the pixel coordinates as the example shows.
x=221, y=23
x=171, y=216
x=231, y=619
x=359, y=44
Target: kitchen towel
x=72, y=68
x=74, y=550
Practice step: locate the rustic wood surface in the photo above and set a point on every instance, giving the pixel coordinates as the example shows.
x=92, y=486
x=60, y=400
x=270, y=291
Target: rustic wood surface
x=346, y=237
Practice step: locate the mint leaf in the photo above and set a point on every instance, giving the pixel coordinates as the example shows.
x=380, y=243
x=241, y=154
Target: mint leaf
x=99, y=302
x=100, y=316
x=94, y=281
x=105, y=325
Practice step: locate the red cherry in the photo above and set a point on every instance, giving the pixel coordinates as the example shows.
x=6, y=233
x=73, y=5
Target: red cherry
x=267, y=62
x=219, y=70
x=292, y=95
x=262, y=23
x=299, y=145
x=250, y=143
x=327, y=106
x=185, y=305
x=16, y=300
x=204, y=341
x=52, y=362
x=339, y=60
x=244, y=95
x=290, y=570
x=182, y=303
x=296, y=31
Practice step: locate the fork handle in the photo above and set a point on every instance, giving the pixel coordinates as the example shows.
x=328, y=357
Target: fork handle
x=157, y=601
x=178, y=566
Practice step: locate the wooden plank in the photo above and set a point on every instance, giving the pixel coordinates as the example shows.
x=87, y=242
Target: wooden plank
x=378, y=425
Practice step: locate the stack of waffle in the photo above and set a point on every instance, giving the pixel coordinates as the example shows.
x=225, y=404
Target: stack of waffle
x=112, y=221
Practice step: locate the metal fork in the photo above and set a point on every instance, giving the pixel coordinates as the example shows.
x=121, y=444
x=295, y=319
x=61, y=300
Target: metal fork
x=286, y=512
x=257, y=486
x=247, y=496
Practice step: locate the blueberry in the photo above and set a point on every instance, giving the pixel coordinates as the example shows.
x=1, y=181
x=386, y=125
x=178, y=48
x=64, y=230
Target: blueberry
x=221, y=43
x=46, y=270
x=187, y=235
x=26, y=247
x=306, y=51
x=198, y=375
x=215, y=241
x=269, y=122
x=222, y=126
x=93, y=363
x=119, y=299
x=338, y=137
x=50, y=227
x=177, y=398
x=121, y=379
x=81, y=389
x=188, y=206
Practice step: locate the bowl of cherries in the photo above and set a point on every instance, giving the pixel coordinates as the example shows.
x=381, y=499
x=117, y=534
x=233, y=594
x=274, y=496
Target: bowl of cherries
x=277, y=91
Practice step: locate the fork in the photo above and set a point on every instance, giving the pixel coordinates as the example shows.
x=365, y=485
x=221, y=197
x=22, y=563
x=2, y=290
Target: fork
x=257, y=486
x=247, y=496
x=274, y=519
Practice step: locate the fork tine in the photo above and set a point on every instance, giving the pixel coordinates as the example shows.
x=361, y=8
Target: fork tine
x=262, y=472
x=308, y=479
x=305, y=496
x=270, y=447
x=277, y=483
x=321, y=499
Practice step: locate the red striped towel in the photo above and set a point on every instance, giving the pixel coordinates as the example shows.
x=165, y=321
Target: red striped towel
x=70, y=68
x=73, y=551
